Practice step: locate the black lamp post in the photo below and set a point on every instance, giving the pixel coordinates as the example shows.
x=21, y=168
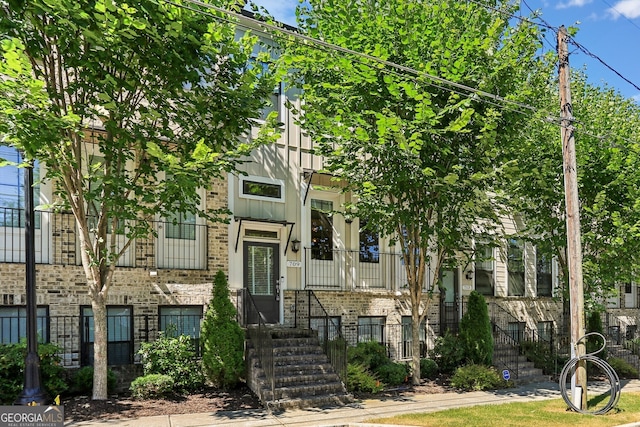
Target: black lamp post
x=32, y=391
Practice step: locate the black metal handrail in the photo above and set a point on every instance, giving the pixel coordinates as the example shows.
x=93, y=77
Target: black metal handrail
x=508, y=348
x=260, y=336
x=307, y=307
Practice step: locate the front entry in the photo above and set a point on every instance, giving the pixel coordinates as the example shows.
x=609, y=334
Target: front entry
x=261, y=277
x=449, y=301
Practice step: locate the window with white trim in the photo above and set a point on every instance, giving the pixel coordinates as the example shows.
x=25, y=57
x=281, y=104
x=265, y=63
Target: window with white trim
x=321, y=230
x=544, y=277
x=261, y=188
x=12, y=192
x=515, y=267
x=484, y=269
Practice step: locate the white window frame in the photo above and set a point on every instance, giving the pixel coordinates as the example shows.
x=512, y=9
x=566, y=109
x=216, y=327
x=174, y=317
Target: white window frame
x=262, y=180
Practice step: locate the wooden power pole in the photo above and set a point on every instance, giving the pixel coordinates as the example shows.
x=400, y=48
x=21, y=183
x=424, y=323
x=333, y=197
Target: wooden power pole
x=574, y=246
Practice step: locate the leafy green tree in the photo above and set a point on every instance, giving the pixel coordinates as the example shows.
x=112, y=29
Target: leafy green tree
x=475, y=331
x=417, y=154
x=222, y=337
x=111, y=97
x=607, y=128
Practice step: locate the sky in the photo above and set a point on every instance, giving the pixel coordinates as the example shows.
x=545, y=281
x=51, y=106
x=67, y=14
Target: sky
x=608, y=30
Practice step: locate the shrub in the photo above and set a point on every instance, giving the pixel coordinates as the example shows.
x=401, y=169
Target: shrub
x=428, y=368
x=152, y=386
x=476, y=337
x=359, y=378
x=222, y=338
x=448, y=353
x=371, y=354
x=173, y=356
x=477, y=377
x=82, y=381
x=12, y=372
x=594, y=342
x=623, y=368
x=393, y=373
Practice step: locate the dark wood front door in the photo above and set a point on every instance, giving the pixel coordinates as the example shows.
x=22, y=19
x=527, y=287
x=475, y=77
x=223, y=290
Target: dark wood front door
x=261, y=277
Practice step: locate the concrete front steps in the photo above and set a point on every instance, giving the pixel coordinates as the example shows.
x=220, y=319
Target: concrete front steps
x=523, y=372
x=303, y=375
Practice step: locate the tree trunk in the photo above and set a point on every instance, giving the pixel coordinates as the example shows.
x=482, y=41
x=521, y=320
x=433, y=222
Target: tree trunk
x=99, y=349
x=415, y=344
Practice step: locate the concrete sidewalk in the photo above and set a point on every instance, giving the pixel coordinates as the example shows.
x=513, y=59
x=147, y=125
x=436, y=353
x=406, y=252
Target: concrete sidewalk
x=350, y=415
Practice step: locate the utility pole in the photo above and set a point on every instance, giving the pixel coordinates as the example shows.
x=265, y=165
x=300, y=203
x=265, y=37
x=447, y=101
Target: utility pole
x=574, y=246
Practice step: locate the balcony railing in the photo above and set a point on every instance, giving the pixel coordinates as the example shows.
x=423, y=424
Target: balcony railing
x=177, y=245
x=342, y=270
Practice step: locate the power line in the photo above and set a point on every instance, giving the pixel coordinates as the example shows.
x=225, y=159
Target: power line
x=472, y=91
x=438, y=82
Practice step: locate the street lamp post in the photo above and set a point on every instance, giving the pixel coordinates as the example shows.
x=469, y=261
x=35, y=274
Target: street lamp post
x=32, y=392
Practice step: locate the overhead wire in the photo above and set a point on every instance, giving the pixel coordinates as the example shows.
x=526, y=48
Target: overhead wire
x=473, y=91
x=393, y=68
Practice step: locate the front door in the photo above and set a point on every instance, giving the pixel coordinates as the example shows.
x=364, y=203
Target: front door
x=261, y=277
x=449, y=301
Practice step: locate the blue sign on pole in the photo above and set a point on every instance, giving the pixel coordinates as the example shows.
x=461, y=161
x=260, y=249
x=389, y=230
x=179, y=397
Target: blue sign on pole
x=506, y=375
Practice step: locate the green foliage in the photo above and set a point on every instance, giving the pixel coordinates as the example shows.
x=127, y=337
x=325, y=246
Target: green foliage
x=393, y=373
x=543, y=356
x=82, y=380
x=431, y=153
x=370, y=354
x=359, y=378
x=594, y=342
x=12, y=373
x=448, y=353
x=172, y=89
x=428, y=369
x=623, y=368
x=475, y=334
x=175, y=357
x=222, y=338
x=477, y=377
x=608, y=180
x=152, y=386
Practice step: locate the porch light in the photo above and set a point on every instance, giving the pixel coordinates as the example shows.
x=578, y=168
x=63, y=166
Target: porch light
x=295, y=245
x=469, y=275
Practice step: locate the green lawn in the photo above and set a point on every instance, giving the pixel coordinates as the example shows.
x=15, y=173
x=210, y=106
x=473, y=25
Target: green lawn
x=537, y=414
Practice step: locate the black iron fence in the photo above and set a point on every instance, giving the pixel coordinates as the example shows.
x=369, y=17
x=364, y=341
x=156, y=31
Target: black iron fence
x=180, y=245
x=310, y=314
x=74, y=335
x=261, y=339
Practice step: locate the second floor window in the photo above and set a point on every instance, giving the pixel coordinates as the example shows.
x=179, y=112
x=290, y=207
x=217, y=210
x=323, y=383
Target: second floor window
x=12, y=191
x=515, y=267
x=544, y=280
x=321, y=230
x=484, y=269
x=369, y=244
x=181, y=226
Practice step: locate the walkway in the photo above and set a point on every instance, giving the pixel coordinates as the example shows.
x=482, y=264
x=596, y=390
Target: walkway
x=351, y=415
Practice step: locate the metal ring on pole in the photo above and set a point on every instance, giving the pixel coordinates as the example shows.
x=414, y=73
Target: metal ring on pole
x=611, y=374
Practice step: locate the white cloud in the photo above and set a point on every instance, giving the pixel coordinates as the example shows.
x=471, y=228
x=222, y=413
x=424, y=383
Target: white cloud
x=628, y=8
x=572, y=3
